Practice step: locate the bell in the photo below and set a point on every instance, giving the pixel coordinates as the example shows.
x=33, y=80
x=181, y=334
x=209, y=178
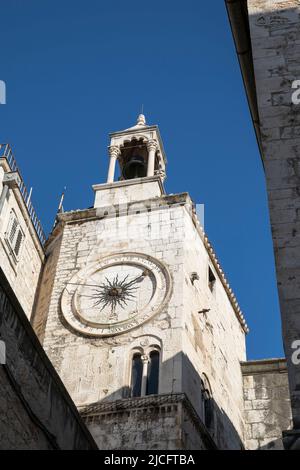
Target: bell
x=135, y=168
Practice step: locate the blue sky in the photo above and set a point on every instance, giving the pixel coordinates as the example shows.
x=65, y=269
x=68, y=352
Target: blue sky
x=77, y=70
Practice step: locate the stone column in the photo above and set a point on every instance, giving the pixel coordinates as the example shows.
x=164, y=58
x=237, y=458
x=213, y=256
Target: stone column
x=114, y=152
x=145, y=360
x=151, y=146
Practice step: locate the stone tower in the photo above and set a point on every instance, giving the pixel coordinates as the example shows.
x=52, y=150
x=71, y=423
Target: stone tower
x=136, y=315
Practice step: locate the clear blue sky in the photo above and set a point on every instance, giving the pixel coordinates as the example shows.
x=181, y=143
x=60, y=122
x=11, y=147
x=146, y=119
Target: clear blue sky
x=77, y=70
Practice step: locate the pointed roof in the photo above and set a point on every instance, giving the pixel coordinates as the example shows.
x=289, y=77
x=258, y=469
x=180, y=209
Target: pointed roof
x=142, y=129
x=140, y=122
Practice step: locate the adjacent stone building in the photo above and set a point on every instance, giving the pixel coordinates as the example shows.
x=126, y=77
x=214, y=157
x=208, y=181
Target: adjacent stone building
x=267, y=39
x=21, y=234
x=267, y=403
x=36, y=411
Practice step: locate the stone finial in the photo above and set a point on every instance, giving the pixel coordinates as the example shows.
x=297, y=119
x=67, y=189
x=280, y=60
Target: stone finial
x=141, y=120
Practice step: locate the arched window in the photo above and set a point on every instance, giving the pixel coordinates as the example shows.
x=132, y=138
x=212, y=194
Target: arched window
x=208, y=409
x=207, y=401
x=145, y=373
x=137, y=374
x=153, y=370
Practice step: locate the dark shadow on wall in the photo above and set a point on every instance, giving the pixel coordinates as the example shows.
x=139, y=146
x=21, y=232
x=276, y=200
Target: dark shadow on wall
x=36, y=411
x=276, y=444
x=117, y=408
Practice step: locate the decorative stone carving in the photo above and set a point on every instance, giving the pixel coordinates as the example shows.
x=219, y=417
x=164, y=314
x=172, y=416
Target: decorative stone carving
x=116, y=294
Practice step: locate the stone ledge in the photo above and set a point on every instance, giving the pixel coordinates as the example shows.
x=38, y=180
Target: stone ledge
x=264, y=366
x=133, y=181
x=152, y=404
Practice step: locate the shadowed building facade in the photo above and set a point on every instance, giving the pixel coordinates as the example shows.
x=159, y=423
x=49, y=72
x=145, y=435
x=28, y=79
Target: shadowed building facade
x=267, y=38
x=36, y=411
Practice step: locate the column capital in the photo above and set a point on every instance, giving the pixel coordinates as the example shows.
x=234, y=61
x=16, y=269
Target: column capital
x=152, y=145
x=114, y=151
x=145, y=358
x=160, y=173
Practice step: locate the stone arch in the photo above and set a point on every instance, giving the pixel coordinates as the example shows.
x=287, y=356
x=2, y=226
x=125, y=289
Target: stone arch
x=207, y=403
x=143, y=345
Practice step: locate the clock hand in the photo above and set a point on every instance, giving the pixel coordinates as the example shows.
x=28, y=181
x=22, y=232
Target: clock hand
x=114, y=292
x=78, y=284
x=136, y=280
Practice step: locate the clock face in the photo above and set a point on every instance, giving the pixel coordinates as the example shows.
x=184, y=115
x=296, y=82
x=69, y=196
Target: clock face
x=116, y=294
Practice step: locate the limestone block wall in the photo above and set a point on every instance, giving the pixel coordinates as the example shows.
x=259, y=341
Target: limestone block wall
x=164, y=422
x=275, y=40
x=267, y=403
x=22, y=274
x=44, y=292
x=126, y=191
x=99, y=368
x=213, y=344
x=142, y=429
x=36, y=412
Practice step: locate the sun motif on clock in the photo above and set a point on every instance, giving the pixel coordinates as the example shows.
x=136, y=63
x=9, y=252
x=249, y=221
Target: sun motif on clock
x=116, y=294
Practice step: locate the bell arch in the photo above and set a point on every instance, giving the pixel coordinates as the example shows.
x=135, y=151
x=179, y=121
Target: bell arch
x=133, y=158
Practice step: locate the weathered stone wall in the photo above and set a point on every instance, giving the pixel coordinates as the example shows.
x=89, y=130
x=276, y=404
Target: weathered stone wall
x=98, y=368
x=126, y=191
x=267, y=403
x=23, y=274
x=157, y=422
x=275, y=39
x=44, y=294
x=213, y=343
x=36, y=411
x=17, y=430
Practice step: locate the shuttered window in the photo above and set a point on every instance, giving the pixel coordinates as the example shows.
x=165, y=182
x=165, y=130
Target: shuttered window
x=15, y=235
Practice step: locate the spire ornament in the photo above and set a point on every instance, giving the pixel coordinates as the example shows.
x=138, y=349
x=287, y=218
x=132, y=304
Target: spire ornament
x=141, y=120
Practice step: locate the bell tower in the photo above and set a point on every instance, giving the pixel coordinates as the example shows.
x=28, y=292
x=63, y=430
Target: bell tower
x=139, y=151
x=136, y=315
x=142, y=161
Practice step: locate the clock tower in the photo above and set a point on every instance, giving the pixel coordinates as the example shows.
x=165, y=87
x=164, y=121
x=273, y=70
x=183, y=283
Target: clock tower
x=136, y=314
